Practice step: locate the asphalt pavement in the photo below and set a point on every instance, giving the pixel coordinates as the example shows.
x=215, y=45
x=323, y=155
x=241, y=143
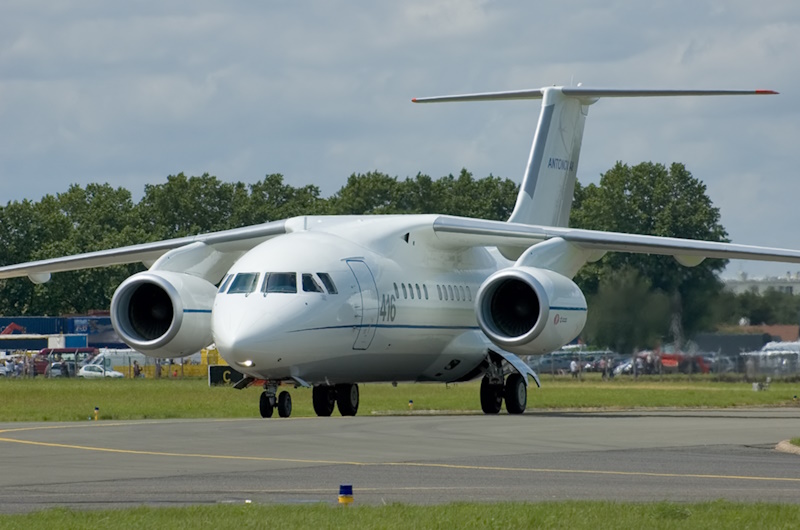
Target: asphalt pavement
x=678, y=455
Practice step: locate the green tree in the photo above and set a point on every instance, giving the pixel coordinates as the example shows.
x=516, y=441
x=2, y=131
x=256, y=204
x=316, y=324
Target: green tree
x=378, y=193
x=626, y=313
x=652, y=199
x=270, y=200
x=78, y=220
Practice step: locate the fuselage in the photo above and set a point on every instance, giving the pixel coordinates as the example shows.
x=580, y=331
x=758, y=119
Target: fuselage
x=333, y=302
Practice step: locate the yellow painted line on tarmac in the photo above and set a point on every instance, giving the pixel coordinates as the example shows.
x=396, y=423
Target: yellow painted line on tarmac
x=373, y=464
x=181, y=455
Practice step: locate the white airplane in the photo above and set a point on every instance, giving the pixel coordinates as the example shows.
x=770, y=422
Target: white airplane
x=332, y=301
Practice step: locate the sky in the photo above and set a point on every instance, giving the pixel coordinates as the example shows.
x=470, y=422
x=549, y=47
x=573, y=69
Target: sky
x=130, y=92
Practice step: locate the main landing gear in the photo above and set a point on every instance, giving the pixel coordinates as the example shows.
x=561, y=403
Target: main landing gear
x=494, y=391
x=345, y=396
x=324, y=397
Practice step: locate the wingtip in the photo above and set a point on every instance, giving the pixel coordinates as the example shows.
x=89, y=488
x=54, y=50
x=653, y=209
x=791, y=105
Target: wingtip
x=763, y=91
x=413, y=100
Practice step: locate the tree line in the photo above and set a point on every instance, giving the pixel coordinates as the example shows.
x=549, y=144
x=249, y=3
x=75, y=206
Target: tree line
x=635, y=300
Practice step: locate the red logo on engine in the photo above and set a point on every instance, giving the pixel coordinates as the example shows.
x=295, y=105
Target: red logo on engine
x=557, y=319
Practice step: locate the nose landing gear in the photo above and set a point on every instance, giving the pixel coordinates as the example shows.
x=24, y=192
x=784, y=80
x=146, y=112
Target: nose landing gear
x=268, y=403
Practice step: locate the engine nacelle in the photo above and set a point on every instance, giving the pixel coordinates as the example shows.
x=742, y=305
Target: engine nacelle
x=530, y=311
x=164, y=314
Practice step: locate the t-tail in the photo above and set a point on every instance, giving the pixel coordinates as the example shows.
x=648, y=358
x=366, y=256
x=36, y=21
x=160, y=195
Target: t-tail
x=545, y=196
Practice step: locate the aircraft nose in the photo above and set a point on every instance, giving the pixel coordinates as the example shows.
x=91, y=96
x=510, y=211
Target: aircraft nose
x=238, y=335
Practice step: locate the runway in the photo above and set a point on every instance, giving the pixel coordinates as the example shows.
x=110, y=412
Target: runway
x=677, y=455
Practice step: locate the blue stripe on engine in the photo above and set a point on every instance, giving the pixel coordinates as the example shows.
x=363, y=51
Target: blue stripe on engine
x=197, y=311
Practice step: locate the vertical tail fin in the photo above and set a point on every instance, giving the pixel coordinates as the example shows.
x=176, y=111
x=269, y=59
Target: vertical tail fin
x=545, y=196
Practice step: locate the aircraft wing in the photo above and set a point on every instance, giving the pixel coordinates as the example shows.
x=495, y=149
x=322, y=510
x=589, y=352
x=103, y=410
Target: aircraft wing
x=236, y=240
x=514, y=237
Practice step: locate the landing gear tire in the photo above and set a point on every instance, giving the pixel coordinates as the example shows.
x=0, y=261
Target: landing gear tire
x=284, y=404
x=266, y=405
x=347, y=399
x=324, y=399
x=516, y=394
x=491, y=396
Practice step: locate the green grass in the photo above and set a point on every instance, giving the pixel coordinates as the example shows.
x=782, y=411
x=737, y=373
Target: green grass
x=573, y=515
x=75, y=400
x=795, y=441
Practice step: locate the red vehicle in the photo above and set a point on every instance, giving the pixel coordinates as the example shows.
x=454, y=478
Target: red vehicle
x=73, y=357
x=679, y=362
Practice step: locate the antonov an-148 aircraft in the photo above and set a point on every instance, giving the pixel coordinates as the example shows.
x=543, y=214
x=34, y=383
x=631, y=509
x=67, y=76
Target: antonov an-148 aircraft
x=332, y=301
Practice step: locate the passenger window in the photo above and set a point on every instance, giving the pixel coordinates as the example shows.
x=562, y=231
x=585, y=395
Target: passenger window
x=411, y=290
x=280, y=282
x=419, y=293
x=450, y=290
x=396, y=291
x=439, y=288
x=469, y=294
x=225, y=282
x=458, y=296
x=444, y=288
x=425, y=288
x=310, y=285
x=245, y=282
x=463, y=296
x=328, y=281
x=405, y=294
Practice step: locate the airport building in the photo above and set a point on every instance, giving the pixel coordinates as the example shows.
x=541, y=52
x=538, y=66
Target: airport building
x=790, y=283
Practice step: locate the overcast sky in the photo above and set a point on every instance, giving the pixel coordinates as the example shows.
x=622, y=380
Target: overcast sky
x=130, y=92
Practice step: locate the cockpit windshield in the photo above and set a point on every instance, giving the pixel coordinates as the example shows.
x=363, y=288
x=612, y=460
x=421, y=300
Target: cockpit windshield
x=245, y=282
x=280, y=282
x=310, y=285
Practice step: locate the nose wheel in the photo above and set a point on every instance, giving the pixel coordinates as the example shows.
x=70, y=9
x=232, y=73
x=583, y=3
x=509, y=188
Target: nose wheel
x=268, y=403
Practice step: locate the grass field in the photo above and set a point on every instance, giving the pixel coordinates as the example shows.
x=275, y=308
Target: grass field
x=75, y=400
x=573, y=515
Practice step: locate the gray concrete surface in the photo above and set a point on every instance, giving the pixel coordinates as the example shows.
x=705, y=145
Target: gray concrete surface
x=637, y=456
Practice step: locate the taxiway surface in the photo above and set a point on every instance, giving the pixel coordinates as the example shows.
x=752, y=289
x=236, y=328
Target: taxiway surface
x=676, y=455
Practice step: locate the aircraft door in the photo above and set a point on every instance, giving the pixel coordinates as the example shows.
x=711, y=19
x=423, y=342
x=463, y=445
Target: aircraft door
x=369, y=303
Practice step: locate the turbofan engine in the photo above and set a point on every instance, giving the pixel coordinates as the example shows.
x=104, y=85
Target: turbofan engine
x=530, y=311
x=164, y=314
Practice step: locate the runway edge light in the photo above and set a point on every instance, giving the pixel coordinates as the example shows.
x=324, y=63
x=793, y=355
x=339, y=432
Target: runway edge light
x=346, y=494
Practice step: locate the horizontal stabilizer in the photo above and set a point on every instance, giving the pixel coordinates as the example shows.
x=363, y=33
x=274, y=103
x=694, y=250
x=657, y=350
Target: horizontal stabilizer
x=587, y=93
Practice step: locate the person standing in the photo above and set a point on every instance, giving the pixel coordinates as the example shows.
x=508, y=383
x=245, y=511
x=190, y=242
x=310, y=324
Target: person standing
x=573, y=368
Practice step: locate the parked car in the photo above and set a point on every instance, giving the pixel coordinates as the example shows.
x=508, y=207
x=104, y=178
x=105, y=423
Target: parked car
x=53, y=370
x=94, y=371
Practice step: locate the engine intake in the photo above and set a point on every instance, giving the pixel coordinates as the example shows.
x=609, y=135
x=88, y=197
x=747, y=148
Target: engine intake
x=164, y=314
x=529, y=311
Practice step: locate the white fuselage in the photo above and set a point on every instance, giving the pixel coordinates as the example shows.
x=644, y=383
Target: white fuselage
x=403, y=308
